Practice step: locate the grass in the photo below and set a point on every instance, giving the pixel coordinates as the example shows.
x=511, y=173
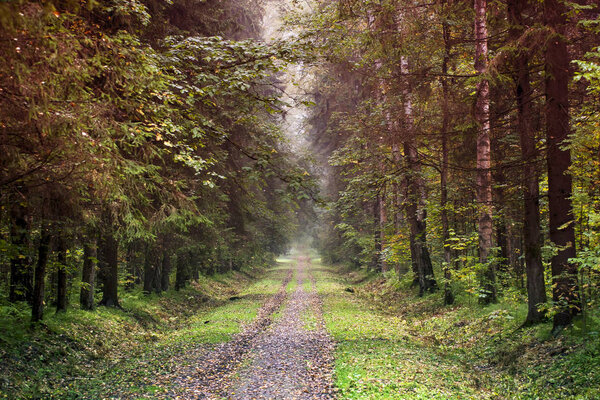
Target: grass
x=119, y=353
x=392, y=344
x=293, y=283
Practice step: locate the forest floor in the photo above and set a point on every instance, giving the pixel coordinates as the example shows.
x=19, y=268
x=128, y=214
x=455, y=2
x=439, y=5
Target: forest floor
x=392, y=344
x=134, y=352
x=299, y=330
x=285, y=353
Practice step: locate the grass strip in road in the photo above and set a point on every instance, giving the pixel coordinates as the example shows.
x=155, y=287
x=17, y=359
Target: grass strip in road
x=218, y=324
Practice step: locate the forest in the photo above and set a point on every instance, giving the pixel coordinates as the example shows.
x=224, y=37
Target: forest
x=299, y=199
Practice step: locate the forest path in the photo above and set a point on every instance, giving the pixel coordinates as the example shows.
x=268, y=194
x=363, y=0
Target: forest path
x=285, y=353
x=293, y=358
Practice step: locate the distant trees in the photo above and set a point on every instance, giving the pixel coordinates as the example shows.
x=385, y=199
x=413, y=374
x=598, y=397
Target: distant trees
x=134, y=136
x=477, y=128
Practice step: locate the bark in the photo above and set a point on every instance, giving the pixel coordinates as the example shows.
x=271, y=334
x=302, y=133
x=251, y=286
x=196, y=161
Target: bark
x=536, y=291
x=484, y=178
x=109, y=265
x=415, y=210
x=377, y=264
x=501, y=230
x=382, y=224
x=448, y=295
x=181, y=272
x=88, y=275
x=166, y=271
x=397, y=189
x=20, y=285
x=149, y=269
x=61, y=276
x=37, y=309
x=561, y=221
x=158, y=272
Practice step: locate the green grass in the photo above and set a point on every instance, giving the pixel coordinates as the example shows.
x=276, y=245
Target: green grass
x=293, y=283
x=120, y=353
x=392, y=344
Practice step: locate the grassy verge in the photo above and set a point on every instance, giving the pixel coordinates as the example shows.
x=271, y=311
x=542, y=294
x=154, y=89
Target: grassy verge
x=392, y=344
x=112, y=353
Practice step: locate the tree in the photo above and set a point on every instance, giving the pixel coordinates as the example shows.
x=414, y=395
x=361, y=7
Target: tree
x=37, y=309
x=536, y=290
x=561, y=221
x=445, y=127
x=484, y=176
x=88, y=273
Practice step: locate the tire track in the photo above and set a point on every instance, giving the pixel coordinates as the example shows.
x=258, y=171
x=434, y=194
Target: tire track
x=288, y=361
x=209, y=376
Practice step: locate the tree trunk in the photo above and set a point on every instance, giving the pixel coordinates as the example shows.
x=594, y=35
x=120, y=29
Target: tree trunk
x=501, y=219
x=181, y=273
x=149, y=269
x=61, y=276
x=109, y=265
x=88, y=275
x=37, y=309
x=377, y=265
x=484, y=178
x=415, y=210
x=562, y=229
x=536, y=291
x=448, y=295
x=382, y=223
x=158, y=272
x=166, y=271
x=20, y=285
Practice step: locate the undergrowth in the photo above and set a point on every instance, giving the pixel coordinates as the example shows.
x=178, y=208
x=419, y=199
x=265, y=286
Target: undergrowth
x=118, y=353
x=393, y=344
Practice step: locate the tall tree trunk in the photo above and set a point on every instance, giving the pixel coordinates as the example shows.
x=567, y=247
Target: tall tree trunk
x=396, y=187
x=382, y=224
x=157, y=279
x=484, y=177
x=88, y=274
x=37, y=309
x=149, y=268
x=448, y=295
x=109, y=265
x=20, y=285
x=415, y=209
x=502, y=239
x=562, y=229
x=181, y=272
x=166, y=271
x=61, y=276
x=536, y=291
x=377, y=264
